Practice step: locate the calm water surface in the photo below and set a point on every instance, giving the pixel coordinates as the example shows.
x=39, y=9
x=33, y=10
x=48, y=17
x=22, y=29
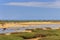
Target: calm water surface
x=19, y=29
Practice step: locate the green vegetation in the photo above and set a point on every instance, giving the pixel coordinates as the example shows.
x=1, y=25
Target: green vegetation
x=27, y=35
x=51, y=38
x=10, y=37
x=29, y=20
x=51, y=34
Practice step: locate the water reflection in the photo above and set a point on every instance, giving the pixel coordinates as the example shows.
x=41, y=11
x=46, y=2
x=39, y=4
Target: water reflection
x=19, y=29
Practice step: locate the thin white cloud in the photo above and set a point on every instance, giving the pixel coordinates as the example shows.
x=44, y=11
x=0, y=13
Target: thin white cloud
x=55, y=4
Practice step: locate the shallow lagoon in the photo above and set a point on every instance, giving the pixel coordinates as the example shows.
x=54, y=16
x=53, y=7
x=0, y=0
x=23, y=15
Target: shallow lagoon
x=19, y=29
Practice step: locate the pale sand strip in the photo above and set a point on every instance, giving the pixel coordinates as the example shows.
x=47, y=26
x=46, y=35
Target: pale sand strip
x=24, y=24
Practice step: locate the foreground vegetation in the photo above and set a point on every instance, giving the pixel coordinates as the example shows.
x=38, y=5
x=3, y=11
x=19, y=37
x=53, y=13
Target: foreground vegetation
x=50, y=34
x=10, y=37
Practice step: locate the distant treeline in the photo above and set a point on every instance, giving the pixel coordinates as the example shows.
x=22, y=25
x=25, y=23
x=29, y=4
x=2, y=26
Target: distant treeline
x=29, y=20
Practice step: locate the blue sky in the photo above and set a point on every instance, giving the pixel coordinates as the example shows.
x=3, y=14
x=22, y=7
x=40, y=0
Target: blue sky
x=30, y=9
